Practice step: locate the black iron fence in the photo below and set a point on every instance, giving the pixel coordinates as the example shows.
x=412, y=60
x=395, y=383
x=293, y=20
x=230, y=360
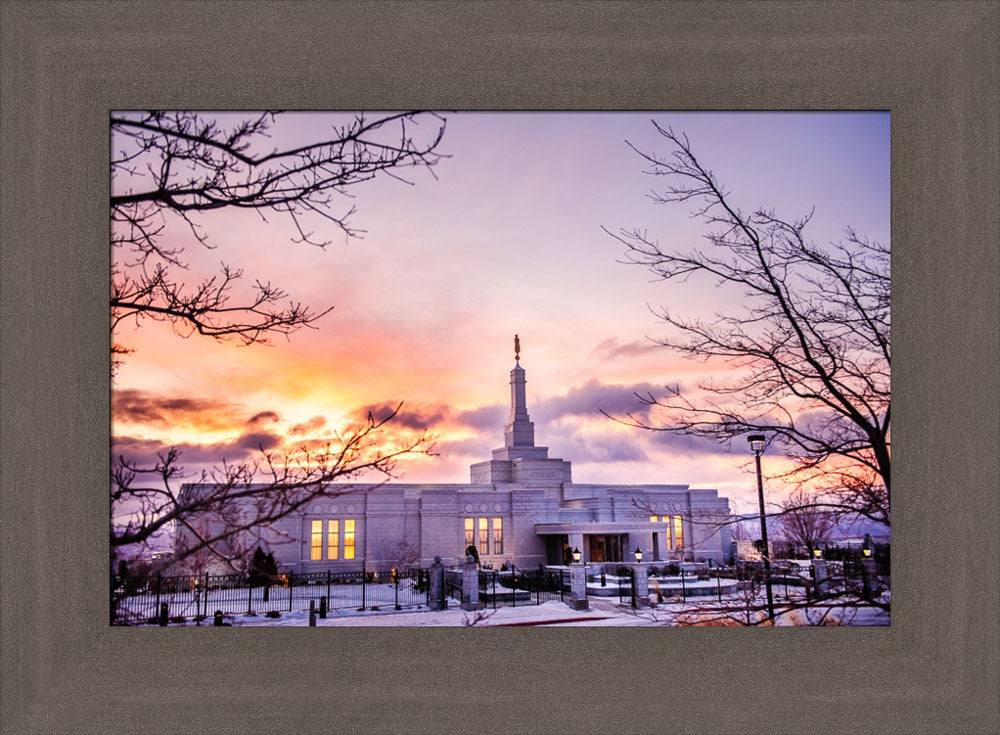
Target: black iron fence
x=514, y=586
x=180, y=598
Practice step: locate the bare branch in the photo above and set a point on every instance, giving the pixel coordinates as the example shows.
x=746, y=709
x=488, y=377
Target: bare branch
x=809, y=352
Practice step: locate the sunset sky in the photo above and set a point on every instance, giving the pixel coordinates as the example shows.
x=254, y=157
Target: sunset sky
x=507, y=239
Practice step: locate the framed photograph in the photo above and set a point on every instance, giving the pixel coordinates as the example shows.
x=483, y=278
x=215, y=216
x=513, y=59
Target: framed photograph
x=548, y=78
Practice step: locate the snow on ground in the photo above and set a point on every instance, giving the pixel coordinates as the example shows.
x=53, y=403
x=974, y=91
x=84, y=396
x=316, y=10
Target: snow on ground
x=603, y=612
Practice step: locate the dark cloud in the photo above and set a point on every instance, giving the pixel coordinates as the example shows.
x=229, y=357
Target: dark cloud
x=258, y=440
x=613, y=348
x=409, y=416
x=144, y=452
x=582, y=449
x=264, y=417
x=307, y=427
x=593, y=397
x=143, y=407
x=484, y=418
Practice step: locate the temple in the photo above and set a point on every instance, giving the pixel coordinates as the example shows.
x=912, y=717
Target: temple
x=520, y=507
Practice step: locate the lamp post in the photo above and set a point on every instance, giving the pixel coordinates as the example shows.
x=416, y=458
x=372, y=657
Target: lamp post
x=757, y=445
x=638, y=554
x=576, y=556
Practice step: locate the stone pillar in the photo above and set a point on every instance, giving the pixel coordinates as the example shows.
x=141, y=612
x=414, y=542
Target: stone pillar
x=470, y=585
x=822, y=576
x=640, y=584
x=437, y=600
x=578, y=587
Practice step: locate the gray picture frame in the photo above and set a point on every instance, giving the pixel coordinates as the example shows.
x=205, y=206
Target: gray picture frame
x=65, y=65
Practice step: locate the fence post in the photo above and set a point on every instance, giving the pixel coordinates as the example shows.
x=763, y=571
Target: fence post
x=435, y=590
x=470, y=585
x=328, y=583
x=322, y=607
x=205, y=596
x=395, y=583
x=249, y=597
x=291, y=589
x=640, y=585
x=684, y=593
x=312, y=613
x=159, y=580
x=363, y=583
x=163, y=615
x=718, y=585
x=578, y=587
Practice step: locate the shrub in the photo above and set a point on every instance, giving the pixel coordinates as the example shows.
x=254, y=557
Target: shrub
x=272, y=614
x=178, y=619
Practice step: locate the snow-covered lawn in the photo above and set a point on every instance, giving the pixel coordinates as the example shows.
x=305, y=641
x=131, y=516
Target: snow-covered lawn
x=603, y=612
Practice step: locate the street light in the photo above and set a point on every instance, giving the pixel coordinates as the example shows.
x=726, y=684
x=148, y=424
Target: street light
x=818, y=553
x=576, y=556
x=757, y=445
x=638, y=554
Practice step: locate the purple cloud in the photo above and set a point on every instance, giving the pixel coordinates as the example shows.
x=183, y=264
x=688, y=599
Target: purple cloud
x=484, y=418
x=593, y=397
x=410, y=417
x=258, y=440
x=264, y=417
x=307, y=427
x=613, y=348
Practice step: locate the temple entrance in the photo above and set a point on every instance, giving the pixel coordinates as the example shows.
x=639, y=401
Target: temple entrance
x=605, y=547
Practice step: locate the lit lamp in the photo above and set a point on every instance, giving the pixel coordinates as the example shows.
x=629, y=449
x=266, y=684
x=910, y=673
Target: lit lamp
x=757, y=445
x=817, y=553
x=638, y=554
x=866, y=551
x=576, y=556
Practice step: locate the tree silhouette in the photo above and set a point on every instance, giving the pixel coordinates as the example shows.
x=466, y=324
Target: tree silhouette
x=168, y=168
x=809, y=351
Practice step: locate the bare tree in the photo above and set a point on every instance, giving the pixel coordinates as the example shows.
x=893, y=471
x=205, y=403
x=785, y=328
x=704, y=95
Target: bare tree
x=168, y=168
x=810, y=351
x=805, y=524
x=216, y=514
x=401, y=555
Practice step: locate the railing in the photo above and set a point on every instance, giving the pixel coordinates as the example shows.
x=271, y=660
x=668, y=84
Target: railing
x=515, y=586
x=198, y=597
